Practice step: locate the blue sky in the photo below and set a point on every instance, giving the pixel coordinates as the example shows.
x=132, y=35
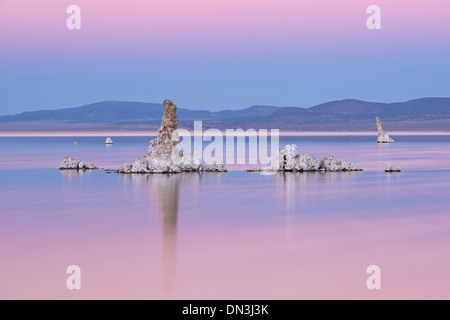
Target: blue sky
x=282, y=62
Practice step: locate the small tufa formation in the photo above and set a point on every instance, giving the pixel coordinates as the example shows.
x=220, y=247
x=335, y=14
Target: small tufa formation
x=163, y=154
x=331, y=164
x=288, y=160
x=383, y=136
x=109, y=141
x=389, y=168
x=69, y=163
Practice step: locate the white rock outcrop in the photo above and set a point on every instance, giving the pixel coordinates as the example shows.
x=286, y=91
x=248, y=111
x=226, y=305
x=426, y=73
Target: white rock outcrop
x=383, y=136
x=289, y=160
x=109, y=141
x=163, y=154
x=331, y=164
x=215, y=167
x=69, y=163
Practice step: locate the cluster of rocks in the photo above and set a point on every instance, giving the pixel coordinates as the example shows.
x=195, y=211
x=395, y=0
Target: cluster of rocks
x=69, y=163
x=289, y=160
x=163, y=154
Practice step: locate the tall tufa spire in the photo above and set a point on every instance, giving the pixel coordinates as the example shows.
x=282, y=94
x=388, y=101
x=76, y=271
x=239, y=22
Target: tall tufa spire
x=383, y=136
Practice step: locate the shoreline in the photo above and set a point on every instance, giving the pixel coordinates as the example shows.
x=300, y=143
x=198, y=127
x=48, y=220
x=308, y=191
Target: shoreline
x=155, y=133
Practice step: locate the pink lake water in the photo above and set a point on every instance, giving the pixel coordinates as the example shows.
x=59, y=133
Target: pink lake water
x=237, y=235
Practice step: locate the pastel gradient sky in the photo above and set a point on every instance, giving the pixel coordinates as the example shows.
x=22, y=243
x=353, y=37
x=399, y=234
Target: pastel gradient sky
x=218, y=54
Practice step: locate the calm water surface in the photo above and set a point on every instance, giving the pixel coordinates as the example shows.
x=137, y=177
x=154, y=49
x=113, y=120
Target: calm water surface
x=222, y=236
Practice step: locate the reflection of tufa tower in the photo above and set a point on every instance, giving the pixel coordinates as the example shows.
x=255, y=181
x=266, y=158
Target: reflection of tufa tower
x=165, y=189
x=383, y=136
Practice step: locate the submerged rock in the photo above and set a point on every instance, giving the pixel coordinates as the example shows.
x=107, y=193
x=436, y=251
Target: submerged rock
x=383, y=136
x=289, y=160
x=163, y=154
x=69, y=163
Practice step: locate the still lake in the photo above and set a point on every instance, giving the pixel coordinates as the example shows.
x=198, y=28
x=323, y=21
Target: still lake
x=234, y=235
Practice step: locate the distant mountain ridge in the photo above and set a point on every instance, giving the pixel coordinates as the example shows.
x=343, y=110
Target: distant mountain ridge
x=349, y=114
x=357, y=110
x=107, y=111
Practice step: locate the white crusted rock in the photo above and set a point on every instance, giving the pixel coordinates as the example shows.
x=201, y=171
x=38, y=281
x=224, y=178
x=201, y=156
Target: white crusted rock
x=305, y=162
x=139, y=166
x=69, y=163
x=186, y=162
x=330, y=163
x=217, y=166
x=384, y=138
x=126, y=168
x=289, y=160
x=287, y=157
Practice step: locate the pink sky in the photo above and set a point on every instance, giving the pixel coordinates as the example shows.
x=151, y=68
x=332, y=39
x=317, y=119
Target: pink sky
x=234, y=25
